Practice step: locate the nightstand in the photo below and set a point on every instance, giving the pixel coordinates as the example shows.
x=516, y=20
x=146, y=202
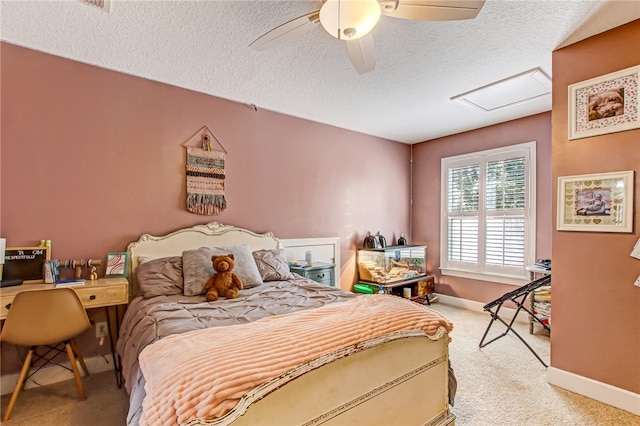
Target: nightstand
x=324, y=273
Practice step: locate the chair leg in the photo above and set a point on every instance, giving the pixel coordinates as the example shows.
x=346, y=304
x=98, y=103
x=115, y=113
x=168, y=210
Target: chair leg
x=23, y=375
x=76, y=351
x=74, y=367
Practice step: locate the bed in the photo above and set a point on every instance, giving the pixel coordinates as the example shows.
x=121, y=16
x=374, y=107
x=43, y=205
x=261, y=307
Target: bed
x=287, y=351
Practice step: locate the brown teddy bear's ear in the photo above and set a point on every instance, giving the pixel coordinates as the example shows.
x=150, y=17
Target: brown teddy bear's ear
x=213, y=258
x=231, y=255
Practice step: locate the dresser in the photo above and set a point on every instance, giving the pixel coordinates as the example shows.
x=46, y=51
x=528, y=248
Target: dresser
x=324, y=273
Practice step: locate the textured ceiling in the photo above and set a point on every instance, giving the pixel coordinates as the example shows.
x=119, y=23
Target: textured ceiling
x=202, y=46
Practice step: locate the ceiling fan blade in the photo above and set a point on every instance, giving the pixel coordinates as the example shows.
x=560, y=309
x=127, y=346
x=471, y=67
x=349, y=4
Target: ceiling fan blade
x=362, y=53
x=286, y=31
x=432, y=10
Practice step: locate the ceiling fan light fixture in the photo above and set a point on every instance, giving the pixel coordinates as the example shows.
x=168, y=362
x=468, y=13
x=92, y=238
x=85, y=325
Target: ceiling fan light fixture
x=349, y=19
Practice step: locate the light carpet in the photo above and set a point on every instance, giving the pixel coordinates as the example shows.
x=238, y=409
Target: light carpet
x=505, y=384
x=59, y=404
x=500, y=384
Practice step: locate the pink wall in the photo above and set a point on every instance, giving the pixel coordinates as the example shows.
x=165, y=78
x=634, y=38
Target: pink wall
x=426, y=195
x=92, y=158
x=596, y=308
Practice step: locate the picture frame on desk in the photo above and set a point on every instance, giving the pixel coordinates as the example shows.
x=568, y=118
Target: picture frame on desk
x=118, y=263
x=599, y=202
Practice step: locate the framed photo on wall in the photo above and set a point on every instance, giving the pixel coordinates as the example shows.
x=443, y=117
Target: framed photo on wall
x=117, y=264
x=601, y=202
x=605, y=104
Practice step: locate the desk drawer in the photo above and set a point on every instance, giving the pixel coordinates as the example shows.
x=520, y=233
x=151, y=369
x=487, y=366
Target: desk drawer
x=102, y=296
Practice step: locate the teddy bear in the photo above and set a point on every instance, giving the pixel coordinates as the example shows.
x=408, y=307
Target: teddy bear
x=224, y=283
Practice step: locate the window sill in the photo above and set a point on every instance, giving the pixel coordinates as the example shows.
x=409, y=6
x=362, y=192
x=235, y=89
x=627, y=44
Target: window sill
x=502, y=279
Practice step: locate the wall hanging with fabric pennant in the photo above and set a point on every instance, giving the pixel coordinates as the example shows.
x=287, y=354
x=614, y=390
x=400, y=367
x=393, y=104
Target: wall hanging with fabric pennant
x=205, y=170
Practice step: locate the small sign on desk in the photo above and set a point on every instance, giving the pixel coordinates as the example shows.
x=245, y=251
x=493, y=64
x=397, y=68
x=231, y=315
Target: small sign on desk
x=25, y=263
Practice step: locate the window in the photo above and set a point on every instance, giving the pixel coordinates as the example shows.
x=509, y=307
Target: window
x=488, y=214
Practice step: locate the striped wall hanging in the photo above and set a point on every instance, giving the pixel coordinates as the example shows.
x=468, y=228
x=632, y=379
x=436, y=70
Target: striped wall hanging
x=205, y=171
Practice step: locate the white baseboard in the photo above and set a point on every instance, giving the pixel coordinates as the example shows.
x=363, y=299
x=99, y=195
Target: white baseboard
x=472, y=305
x=611, y=395
x=54, y=374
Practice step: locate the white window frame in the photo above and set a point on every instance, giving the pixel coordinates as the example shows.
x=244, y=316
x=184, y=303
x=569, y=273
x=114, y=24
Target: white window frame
x=516, y=276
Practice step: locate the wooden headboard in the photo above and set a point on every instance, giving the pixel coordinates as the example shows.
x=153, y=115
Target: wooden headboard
x=210, y=235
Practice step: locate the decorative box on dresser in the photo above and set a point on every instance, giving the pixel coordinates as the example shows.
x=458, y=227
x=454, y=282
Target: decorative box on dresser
x=324, y=273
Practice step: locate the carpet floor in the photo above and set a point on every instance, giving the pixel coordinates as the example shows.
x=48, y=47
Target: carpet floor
x=504, y=384
x=500, y=384
x=59, y=405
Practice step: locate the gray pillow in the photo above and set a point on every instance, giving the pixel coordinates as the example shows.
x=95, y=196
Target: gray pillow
x=158, y=277
x=197, y=267
x=272, y=265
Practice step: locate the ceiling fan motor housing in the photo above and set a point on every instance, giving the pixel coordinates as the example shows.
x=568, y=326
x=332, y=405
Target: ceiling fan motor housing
x=349, y=19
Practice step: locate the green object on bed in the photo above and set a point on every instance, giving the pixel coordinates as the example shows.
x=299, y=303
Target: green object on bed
x=363, y=288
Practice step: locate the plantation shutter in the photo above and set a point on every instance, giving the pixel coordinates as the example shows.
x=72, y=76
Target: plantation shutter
x=464, y=212
x=488, y=225
x=505, y=203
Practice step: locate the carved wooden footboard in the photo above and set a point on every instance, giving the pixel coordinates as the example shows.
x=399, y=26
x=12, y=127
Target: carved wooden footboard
x=396, y=382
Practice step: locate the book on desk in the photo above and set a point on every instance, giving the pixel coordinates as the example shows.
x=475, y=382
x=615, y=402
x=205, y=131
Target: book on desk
x=70, y=283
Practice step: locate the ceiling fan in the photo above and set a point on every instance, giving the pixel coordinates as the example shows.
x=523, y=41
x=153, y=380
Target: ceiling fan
x=353, y=20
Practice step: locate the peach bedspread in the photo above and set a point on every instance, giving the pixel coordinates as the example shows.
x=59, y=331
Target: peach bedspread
x=204, y=373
